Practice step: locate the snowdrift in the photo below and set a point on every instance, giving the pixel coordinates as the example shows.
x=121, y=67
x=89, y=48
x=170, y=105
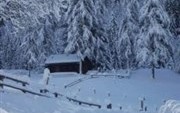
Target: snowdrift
x=171, y=106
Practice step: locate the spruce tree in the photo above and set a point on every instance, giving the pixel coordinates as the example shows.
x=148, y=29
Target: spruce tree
x=8, y=43
x=82, y=29
x=127, y=35
x=173, y=9
x=110, y=54
x=155, y=50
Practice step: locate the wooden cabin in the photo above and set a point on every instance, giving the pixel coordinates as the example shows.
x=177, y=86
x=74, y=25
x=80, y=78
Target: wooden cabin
x=68, y=63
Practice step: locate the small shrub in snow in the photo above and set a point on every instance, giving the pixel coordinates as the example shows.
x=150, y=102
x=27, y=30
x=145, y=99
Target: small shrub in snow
x=109, y=106
x=120, y=107
x=145, y=108
x=94, y=90
x=56, y=94
x=109, y=94
x=79, y=89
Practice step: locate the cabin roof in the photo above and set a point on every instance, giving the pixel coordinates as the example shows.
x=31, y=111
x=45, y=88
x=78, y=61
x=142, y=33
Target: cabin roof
x=62, y=58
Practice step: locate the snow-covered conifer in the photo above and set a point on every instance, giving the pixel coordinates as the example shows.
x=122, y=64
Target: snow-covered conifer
x=110, y=47
x=8, y=43
x=154, y=48
x=172, y=7
x=128, y=34
x=82, y=24
x=177, y=55
x=29, y=51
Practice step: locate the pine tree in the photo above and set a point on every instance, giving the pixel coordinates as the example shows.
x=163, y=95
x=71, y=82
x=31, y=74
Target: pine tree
x=126, y=44
x=61, y=31
x=172, y=7
x=177, y=55
x=60, y=39
x=7, y=45
x=2, y=24
x=102, y=26
x=110, y=52
x=49, y=28
x=29, y=51
x=154, y=45
x=81, y=27
x=128, y=34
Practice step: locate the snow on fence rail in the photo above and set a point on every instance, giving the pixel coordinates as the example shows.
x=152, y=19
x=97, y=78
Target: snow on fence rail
x=82, y=102
x=2, y=77
x=79, y=80
x=23, y=90
x=119, y=74
x=56, y=95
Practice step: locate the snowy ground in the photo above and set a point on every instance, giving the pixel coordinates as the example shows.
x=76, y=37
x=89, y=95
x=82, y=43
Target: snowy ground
x=121, y=93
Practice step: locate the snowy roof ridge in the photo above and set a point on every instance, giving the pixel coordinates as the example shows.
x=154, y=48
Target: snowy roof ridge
x=62, y=58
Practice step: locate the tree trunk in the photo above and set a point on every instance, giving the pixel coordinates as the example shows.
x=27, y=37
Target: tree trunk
x=29, y=73
x=153, y=72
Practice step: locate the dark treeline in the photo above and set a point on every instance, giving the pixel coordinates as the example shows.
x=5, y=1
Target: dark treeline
x=114, y=34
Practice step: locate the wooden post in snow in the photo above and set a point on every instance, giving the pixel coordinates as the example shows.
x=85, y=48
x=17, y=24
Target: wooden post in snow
x=80, y=67
x=153, y=71
x=142, y=108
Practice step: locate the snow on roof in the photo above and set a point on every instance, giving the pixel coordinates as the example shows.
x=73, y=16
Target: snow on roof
x=62, y=58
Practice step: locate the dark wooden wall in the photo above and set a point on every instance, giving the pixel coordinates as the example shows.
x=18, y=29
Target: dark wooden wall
x=64, y=67
x=70, y=67
x=86, y=65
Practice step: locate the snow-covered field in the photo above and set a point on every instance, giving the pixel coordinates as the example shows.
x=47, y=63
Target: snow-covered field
x=161, y=95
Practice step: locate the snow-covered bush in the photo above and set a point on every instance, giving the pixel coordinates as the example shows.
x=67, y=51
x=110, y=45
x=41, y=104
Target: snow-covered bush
x=3, y=111
x=171, y=106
